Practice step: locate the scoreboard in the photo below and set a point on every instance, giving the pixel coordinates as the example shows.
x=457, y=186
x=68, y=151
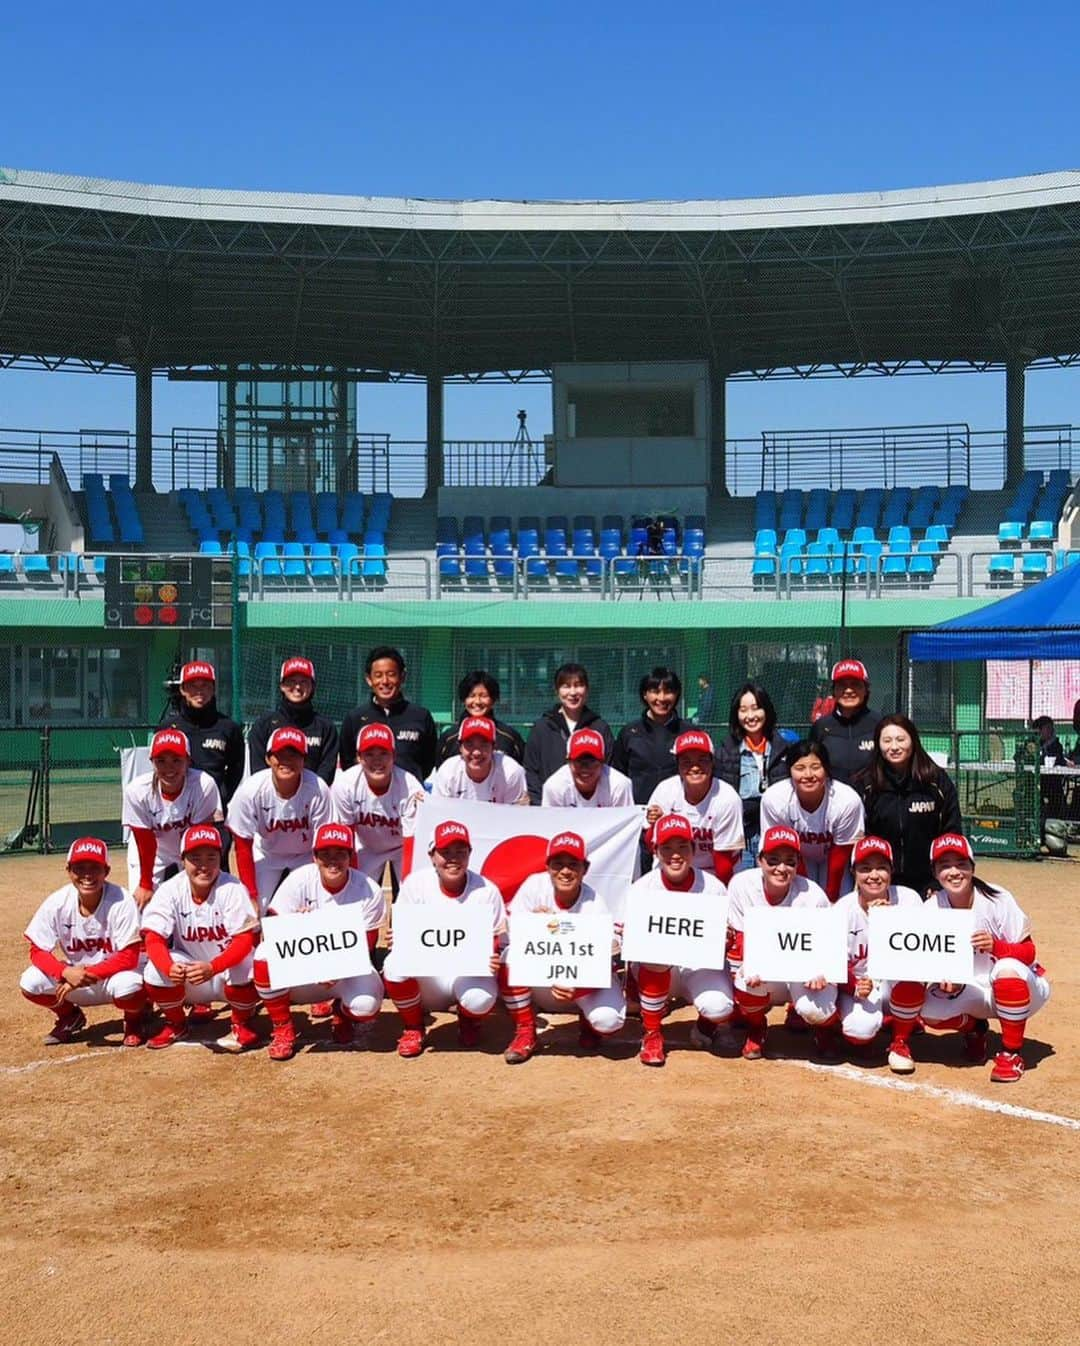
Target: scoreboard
x=192, y=592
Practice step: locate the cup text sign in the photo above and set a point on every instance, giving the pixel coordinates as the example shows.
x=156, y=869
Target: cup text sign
x=442, y=940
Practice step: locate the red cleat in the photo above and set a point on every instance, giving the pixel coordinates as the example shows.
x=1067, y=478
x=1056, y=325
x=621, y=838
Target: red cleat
x=411, y=1043
x=169, y=1034
x=753, y=1049
x=282, y=1044
x=1008, y=1067
x=652, y=1048
x=240, y=1037
x=200, y=1013
x=900, y=1062
x=322, y=1009
x=521, y=1047
x=67, y=1025
x=134, y=1030
x=468, y=1031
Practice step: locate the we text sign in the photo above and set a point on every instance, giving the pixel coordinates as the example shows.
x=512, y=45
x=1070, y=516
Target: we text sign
x=560, y=949
x=442, y=940
x=675, y=929
x=925, y=943
x=795, y=944
x=315, y=946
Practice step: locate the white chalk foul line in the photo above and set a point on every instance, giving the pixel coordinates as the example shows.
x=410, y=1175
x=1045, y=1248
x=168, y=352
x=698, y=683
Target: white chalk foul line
x=958, y=1097
x=50, y=1061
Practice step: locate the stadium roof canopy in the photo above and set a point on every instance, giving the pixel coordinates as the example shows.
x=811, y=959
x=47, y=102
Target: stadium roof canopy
x=109, y=275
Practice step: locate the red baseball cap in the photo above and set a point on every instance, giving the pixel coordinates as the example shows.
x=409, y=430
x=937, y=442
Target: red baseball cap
x=202, y=834
x=865, y=847
x=672, y=825
x=297, y=667
x=170, y=740
x=288, y=736
x=951, y=843
x=776, y=837
x=585, y=743
x=694, y=740
x=477, y=726
x=446, y=834
x=88, y=848
x=566, y=843
x=334, y=834
x=850, y=668
x=376, y=736
x=198, y=669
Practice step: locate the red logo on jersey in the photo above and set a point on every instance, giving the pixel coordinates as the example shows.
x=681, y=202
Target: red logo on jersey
x=178, y=826
x=378, y=820
x=90, y=945
x=816, y=838
x=289, y=824
x=204, y=934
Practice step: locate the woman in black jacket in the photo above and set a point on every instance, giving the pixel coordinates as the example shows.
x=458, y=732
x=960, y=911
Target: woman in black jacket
x=478, y=692
x=644, y=749
x=752, y=757
x=909, y=800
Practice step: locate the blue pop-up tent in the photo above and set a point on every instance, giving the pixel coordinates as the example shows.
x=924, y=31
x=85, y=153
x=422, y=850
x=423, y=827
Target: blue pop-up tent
x=1042, y=622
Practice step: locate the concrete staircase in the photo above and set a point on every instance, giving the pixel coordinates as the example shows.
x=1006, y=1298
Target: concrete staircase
x=165, y=525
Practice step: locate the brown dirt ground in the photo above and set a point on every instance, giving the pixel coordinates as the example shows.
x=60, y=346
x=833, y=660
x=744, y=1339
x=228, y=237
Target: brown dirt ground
x=351, y=1196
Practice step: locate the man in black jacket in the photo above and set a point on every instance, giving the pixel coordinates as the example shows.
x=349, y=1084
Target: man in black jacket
x=217, y=743
x=412, y=725
x=545, y=750
x=848, y=730
x=295, y=708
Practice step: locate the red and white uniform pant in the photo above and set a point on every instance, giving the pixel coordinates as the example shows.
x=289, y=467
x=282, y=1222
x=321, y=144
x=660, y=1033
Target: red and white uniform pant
x=120, y=986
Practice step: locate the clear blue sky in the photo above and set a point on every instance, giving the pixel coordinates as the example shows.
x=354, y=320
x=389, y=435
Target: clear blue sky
x=593, y=101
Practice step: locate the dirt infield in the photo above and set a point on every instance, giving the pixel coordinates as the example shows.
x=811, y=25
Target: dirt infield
x=186, y=1195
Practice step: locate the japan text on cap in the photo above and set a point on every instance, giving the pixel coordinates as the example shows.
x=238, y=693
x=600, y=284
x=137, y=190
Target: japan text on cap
x=447, y=833
x=288, y=736
x=477, y=726
x=850, y=668
x=334, y=834
x=585, y=743
x=203, y=834
x=170, y=740
x=952, y=843
x=566, y=843
x=776, y=837
x=199, y=669
x=88, y=848
x=672, y=825
x=866, y=847
x=694, y=740
x=297, y=667
x=375, y=736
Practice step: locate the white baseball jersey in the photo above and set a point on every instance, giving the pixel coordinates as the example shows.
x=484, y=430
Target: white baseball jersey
x=199, y=930
x=378, y=821
x=504, y=783
x=1000, y=914
x=168, y=819
x=747, y=889
x=303, y=890
x=858, y=922
x=422, y=886
x=613, y=791
x=838, y=820
x=653, y=881
x=717, y=820
x=537, y=894
x=85, y=939
x=281, y=829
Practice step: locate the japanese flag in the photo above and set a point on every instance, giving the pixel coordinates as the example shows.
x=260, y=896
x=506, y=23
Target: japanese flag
x=509, y=842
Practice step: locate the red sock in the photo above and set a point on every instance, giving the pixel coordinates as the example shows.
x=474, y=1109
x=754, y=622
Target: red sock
x=905, y=1000
x=1012, y=998
x=406, y=997
x=170, y=1001
x=48, y=1002
x=278, y=1009
x=754, y=1007
x=654, y=984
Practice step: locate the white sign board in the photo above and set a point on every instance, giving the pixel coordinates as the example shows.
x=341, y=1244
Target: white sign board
x=442, y=939
x=560, y=949
x=795, y=944
x=676, y=929
x=926, y=943
x=308, y=947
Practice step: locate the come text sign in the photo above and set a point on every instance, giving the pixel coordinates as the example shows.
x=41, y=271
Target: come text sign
x=795, y=944
x=315, y=946
x=927, y=943
x=675, y=929
x=441, y=939
x=560, y=948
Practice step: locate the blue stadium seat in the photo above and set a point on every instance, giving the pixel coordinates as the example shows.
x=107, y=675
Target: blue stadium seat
x=928, y=546
x=863, y=534
x=295, y=567
x=1067, y=558
x=938, y=532
x=817, y=510
x=817, y=563
x=612, y=522
x=794, y=537
x=267, y=564
x=1042, y=533
x=765, y=541
x=791, y=559
x=1001, y=570
x=558, y=522
x=1035, y=566
x=765, y=510
x=830, y=538
x=326, y=512
x=893, y=569
x=896, y=507
x=352, y=512
x=528, y=542
x=764, y=572
x=348, y=553
x=1010, y=534
x=868, y=556
x=921, y=570
x=322, y=566
x=900, y=537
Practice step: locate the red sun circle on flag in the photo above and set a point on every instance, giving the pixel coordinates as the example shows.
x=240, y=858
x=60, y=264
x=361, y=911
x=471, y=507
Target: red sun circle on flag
x=510, y=863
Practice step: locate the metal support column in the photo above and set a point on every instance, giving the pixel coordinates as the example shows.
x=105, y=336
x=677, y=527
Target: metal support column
x=717, y=430
x=341, y=434
x=144, y=427
x=434, y=435
x=1014, y=420
x=227, y=471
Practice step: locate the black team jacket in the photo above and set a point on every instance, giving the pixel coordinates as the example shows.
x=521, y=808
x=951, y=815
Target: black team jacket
x=645, y=751
x=849, y=743
x=217, y=743
x=413, y=728
x=545, y=750
x=321, y=736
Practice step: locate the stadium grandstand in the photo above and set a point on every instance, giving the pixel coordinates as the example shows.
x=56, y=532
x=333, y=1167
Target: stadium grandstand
x=636, y=533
